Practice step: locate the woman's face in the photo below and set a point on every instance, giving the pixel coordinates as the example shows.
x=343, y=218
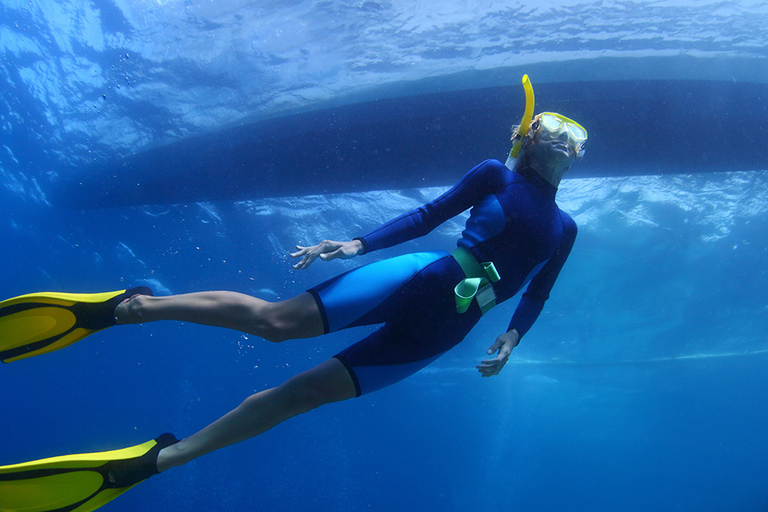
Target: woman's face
x=556, y=147
x=550, y=155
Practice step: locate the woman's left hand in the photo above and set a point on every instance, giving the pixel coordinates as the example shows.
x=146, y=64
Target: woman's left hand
x=504, y=344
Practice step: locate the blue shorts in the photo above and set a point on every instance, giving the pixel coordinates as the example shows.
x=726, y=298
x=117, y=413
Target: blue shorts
x=412, y=295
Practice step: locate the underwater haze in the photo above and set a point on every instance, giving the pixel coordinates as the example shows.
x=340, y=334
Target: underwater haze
x=642, y=386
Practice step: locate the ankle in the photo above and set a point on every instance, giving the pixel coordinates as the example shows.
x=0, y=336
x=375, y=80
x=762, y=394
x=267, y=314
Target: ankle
x=130, y=311
x=171, y=457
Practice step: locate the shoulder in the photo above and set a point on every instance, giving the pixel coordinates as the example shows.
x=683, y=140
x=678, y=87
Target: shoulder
x=494, y=166
x=491, y=172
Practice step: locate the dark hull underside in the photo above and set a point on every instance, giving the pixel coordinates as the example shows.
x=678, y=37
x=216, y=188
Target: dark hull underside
x=636, y=127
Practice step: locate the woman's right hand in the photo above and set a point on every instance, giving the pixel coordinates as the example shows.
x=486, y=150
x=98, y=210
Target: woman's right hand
x=326, y=250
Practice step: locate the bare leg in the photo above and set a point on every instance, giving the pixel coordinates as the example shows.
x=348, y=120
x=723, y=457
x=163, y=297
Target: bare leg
x=325, y=383
x=298, y=317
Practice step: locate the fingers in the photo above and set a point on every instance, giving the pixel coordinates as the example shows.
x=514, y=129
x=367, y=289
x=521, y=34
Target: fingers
x=300, y=251
x=490, y=367
x=307, y=255
x=305, y=262
x=325, y=250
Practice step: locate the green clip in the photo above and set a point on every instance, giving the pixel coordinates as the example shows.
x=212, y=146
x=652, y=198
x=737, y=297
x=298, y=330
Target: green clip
x=477, y=284
x=490, y=270
x=465, y=291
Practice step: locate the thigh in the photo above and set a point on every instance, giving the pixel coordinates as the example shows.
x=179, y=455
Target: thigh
x=327, y=382
x=400, y=349
x=362, y=293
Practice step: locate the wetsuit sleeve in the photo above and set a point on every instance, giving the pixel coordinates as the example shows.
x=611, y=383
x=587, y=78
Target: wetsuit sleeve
x=484, y=179
x=538, y=289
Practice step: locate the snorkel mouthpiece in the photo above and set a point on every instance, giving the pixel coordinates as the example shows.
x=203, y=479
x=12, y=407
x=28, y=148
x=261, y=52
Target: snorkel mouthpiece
x=525, y=122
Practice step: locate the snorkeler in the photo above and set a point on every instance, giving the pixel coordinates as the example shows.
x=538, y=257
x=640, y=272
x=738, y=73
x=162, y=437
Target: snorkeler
x=427, y=302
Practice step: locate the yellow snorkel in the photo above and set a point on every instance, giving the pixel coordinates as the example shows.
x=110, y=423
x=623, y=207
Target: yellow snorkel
x=525, y=124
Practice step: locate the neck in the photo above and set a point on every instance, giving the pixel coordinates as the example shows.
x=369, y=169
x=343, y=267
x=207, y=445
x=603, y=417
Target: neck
x=551, y=175
x=534, y=178
x=547, y=170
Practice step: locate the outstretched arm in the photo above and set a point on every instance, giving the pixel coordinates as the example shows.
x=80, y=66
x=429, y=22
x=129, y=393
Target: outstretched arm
x=326, y=250
x=484, y=179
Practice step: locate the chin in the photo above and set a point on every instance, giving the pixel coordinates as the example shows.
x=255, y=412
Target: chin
x=564, y=161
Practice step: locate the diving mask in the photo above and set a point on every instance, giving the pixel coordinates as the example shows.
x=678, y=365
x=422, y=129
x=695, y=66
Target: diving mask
x=555, y=125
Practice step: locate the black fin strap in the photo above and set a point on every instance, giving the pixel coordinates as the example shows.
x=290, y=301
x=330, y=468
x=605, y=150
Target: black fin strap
x=128, y=472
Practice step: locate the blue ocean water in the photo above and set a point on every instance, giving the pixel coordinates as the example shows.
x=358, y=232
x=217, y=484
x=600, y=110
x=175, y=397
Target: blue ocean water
x=642, y=385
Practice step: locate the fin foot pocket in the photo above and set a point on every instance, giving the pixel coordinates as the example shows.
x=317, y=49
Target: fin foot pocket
x=38, y=323
x=129, y=472
x=78, y=483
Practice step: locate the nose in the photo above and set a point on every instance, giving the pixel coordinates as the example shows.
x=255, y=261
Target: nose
x=563, y=136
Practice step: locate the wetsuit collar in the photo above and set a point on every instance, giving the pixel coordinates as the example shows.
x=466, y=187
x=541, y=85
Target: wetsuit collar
x=537, y=181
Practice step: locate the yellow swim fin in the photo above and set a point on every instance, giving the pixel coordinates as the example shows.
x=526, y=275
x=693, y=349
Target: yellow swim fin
x=78, y=483
x=37, y=323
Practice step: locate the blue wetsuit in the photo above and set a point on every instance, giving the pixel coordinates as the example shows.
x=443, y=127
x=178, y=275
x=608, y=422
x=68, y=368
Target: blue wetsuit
x=514, y=222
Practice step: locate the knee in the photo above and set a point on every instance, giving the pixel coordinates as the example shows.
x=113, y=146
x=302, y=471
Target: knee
x=272, y=326
x=281, y=321
x=298, y=317
x=260, y=318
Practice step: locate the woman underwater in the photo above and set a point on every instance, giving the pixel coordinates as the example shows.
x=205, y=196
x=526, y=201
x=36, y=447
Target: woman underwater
x=427, y=303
